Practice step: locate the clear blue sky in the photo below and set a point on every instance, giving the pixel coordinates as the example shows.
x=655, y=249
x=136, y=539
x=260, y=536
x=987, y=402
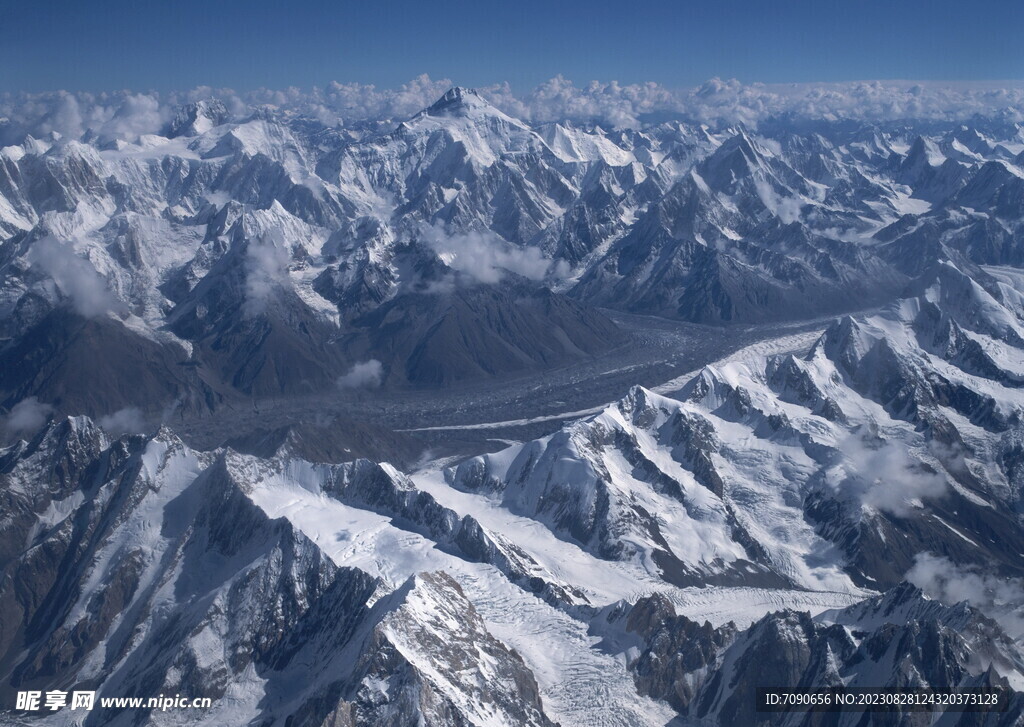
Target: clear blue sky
x=176, y=44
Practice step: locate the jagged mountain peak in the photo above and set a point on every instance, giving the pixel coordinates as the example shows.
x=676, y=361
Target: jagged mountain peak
x=737, y=152
x=923, y=153
x=197, y=118
x=743, y=167
x=973, y=306
x=640, y=398
x=268, y=256
x=844, y=340
x=459, y=100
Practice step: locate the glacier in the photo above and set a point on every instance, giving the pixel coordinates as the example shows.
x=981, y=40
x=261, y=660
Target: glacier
x=462, y=416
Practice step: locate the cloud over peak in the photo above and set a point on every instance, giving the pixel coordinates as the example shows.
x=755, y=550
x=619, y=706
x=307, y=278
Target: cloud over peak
x=125, y=114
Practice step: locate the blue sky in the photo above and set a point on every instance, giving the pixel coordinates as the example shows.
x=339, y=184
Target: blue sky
x=160, y=45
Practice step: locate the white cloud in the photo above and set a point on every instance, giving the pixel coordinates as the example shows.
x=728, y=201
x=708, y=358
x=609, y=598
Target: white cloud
x=886, y=476
x=75, y=277
x=27, y=416
x=1001, y=599
x=364, y=375
x=266, y=268
x=486, y=257
x=124, y=421
x=787, y=209
x=138, y=114
x=610, y=103
x=64, y=117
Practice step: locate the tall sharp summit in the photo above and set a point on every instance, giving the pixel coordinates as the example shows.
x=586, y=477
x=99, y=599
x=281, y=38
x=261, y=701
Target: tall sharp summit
x=458, y=100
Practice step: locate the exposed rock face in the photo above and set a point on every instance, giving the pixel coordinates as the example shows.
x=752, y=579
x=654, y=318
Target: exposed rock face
x=897, y=640
x=138, y=567
x=677, y=651
x=653, y=564
x=842, y=464
x=431, y=661
x=265, y=255
x=478, y=332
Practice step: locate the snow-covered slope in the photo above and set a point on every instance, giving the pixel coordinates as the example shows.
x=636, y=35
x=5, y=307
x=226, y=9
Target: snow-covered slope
x=140, y=566
x=240, y=261
x=895, y=435
x=562, y=580
x=900, y=640
x=250, y=252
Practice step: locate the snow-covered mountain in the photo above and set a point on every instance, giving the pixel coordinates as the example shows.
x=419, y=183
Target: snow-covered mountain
x=228, y=354
x=256, y=255
x=564, y=579
x=899, y=640
x=825, y=471
x=172, y=570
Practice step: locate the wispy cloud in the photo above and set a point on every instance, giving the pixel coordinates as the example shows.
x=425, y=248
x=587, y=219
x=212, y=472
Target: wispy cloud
x=266, y=270
x=363, y=375
x=26, y=416
x=126, y=115
x=485, y=257
x=75, y=277
x=124, y=421
x=999, y=598
x=885, y=475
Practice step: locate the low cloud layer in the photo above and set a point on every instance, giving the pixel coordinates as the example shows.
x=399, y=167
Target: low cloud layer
x=363, y=375
x=266, y=268
x=26, y=416
x=885, y=476
x=485, y=257
x=127, y=115
x=124, y=421
x=1001, y=599
x=75, y=277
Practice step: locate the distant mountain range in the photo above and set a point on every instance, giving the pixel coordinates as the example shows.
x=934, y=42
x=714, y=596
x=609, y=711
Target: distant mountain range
x=260, y=256
x=845, y=513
